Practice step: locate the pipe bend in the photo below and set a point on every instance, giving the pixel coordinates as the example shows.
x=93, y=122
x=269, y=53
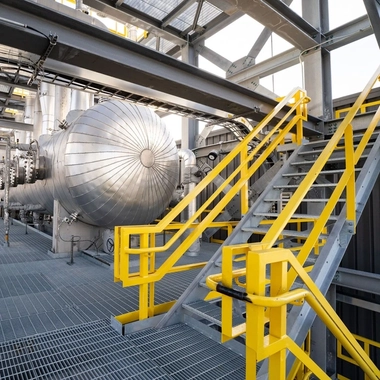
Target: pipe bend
x=188, y=157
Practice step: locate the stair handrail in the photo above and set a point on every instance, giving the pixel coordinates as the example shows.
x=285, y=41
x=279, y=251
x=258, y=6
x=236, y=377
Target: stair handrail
x=296, y=102
x=260, y=346
x=347, y=180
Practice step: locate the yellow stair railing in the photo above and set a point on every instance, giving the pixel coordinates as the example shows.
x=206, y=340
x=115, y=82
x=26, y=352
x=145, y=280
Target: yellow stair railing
x=253, y=278
x=368, y=345
x=261, y=309
x=346, y=182
x=291, y=111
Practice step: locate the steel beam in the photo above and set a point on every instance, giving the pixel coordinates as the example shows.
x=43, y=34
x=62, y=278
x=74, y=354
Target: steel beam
x=177, y=11
x=83, y=47
x=129, y=15
x=358, y=280
x=23, y=86
x=279, y=18
x=213, y=57
x=373, y=10
x=15, y=125
x=347, y=33
x=336, y=38
x=215, y=26
x=358, y=302
x=12, y=106
x=270, y=66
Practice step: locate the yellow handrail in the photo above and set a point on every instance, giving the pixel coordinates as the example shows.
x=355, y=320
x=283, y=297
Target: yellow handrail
x=346, y=182
x=261, y=309
x=211, y=176
x=363, y=108
x=293, y=108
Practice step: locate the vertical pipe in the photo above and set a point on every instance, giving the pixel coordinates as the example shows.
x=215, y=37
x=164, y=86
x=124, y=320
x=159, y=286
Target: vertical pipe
x=132, y=32
x=189, y=184
x=47, y=95
x=29, y=114
x=80, y=102
x=62, y=105
x=71, y=262
x=6, y=189
x=37, y=122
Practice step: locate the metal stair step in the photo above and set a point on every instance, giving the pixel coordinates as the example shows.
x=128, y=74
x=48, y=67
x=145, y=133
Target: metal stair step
x=319, y=151
x=211, y=312
x=323, y=172
x=319, y=185
x=294, y=216
x=311, y=200
x=329, y=161
x=302, y=234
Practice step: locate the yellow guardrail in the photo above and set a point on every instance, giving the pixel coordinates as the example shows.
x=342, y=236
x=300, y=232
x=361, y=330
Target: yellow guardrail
x=261, y=309
x=293, y=111
x=362, y=109
x=346, y=182
x=367, y=345
x=228, y=226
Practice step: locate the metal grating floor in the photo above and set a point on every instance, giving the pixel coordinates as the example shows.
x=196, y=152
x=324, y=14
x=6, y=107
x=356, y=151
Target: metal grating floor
x=185, y=353
x=55, y=323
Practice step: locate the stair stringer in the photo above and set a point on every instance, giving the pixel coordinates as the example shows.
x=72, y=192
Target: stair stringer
x=300, y=319
x=194, y=290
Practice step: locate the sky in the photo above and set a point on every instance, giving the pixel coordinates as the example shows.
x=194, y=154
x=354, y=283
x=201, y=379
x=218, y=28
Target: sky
x=351, y=65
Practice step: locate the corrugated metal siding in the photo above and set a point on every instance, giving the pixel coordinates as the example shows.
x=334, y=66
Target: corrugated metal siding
x=363, y=253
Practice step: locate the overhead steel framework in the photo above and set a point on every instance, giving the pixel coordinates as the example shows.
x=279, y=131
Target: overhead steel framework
x=92, y=59
x=99, y=57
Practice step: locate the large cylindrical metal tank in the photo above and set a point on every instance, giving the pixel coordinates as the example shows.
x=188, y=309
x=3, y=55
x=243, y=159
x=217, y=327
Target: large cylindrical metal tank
x=115, y=165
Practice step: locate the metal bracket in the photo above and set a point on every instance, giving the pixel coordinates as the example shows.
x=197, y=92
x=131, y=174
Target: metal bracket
x=40, y=63
x=346, y=233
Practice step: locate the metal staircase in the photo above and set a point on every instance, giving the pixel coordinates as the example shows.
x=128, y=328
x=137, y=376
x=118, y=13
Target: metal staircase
x=308, y=211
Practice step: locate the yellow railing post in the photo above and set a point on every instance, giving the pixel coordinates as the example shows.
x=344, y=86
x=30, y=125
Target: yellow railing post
x=299, y=112
x=227, y=304
x=254, y=315
x=350, y=165
x=278, y=315
x=275, y=344
x=144, y=271
x=244, y=189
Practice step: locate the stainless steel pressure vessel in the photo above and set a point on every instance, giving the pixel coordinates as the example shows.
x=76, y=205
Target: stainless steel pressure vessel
x=115, y=165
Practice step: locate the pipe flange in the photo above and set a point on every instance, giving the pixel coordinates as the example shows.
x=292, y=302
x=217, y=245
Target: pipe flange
x=12, y=177
x=30, y=172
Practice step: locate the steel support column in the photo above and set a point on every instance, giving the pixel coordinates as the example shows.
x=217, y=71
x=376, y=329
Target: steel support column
x=323, y=343
x=190, y=127
x=317, y=73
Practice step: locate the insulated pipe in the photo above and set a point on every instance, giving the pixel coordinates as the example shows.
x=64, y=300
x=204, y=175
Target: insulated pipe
x=190, y=163
x=29, y=115
x=47, y=95
x=62, y=105
x=8, y=136
x=6, y=189
x=37, y=122
x=189, y=182
x=80, y=101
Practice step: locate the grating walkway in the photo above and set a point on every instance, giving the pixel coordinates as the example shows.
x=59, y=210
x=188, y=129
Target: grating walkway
x=55, y=322
x=40, y=294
